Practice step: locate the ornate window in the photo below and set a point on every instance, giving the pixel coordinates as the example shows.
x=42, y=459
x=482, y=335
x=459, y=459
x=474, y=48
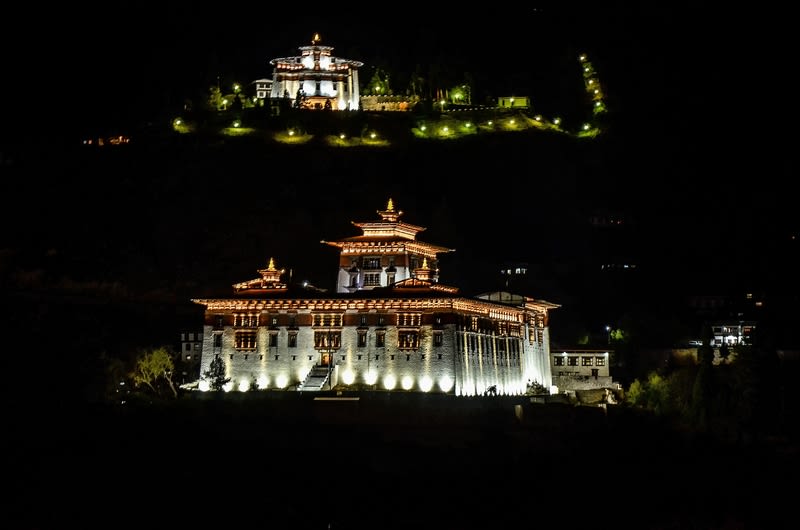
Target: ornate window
x=245, y=340
x=327, y=340
x=408, y=340
x=328, y=320
x=371, y=263
x=409, y=319
x=245, y=320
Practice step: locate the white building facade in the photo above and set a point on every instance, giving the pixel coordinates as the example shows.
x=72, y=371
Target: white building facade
x=317, y=78
x=410, y=334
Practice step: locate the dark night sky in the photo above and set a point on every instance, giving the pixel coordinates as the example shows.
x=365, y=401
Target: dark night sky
x=148, y=56
x=694, y=145
x=702, y=79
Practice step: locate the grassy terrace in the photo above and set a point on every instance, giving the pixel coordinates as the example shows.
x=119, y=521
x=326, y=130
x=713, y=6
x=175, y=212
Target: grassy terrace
x=369, y=129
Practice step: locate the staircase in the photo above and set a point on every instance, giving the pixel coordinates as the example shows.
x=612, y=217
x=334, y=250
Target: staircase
x=315, y=380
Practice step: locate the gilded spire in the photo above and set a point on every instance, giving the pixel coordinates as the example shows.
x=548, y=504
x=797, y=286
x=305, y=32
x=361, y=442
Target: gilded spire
x=390, y=214
x=315, y=39
x=270, y=279
x=271, y=274
x=423, y=273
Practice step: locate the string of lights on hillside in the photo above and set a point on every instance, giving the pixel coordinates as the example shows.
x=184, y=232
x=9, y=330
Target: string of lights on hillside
x=449, y=124
x=593, y=89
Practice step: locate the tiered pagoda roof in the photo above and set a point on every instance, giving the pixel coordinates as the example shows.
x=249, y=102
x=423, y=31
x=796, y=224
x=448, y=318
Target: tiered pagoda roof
x=389, y=234
x=270, y=281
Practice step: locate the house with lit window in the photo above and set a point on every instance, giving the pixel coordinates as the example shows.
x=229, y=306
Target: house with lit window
x=191, y=344
x=316, y=79
x=581, y=369
x=732, y=332
x=389, y=325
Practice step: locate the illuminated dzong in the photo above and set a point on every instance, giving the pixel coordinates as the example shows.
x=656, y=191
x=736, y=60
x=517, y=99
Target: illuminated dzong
x=389, y=326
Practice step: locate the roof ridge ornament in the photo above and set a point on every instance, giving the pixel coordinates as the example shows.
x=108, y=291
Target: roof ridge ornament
x=390, y=214
x=271, y=274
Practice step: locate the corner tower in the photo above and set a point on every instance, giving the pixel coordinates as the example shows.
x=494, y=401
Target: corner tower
x=385, y=253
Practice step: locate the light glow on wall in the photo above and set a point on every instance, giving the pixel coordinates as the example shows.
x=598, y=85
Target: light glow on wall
x=263, y=382
x=244, y=385
x=389, y=382
x=204, y=386
x=281, y=381
x=425, y=383
x=326, y=88
x=446, y=383
x=371, y=377
x=348, y=377
x=228, y=386
x=303, y=374
x=407, y=382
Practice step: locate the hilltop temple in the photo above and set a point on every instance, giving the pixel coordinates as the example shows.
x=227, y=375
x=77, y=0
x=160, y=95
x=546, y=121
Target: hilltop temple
x=390, y=325
x=316, y=79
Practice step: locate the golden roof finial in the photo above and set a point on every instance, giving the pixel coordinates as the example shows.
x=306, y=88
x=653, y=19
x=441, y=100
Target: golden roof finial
x=424, y=263
x=390, y=214
x=315, y=39
x=271, y=266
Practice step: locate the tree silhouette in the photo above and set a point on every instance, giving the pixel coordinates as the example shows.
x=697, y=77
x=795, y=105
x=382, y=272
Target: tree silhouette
x=216, y=374
x=703, y=388
x=152, y=367
x=724, y=352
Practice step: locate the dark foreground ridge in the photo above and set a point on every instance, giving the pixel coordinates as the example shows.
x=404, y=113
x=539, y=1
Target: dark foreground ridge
x=386, y=460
